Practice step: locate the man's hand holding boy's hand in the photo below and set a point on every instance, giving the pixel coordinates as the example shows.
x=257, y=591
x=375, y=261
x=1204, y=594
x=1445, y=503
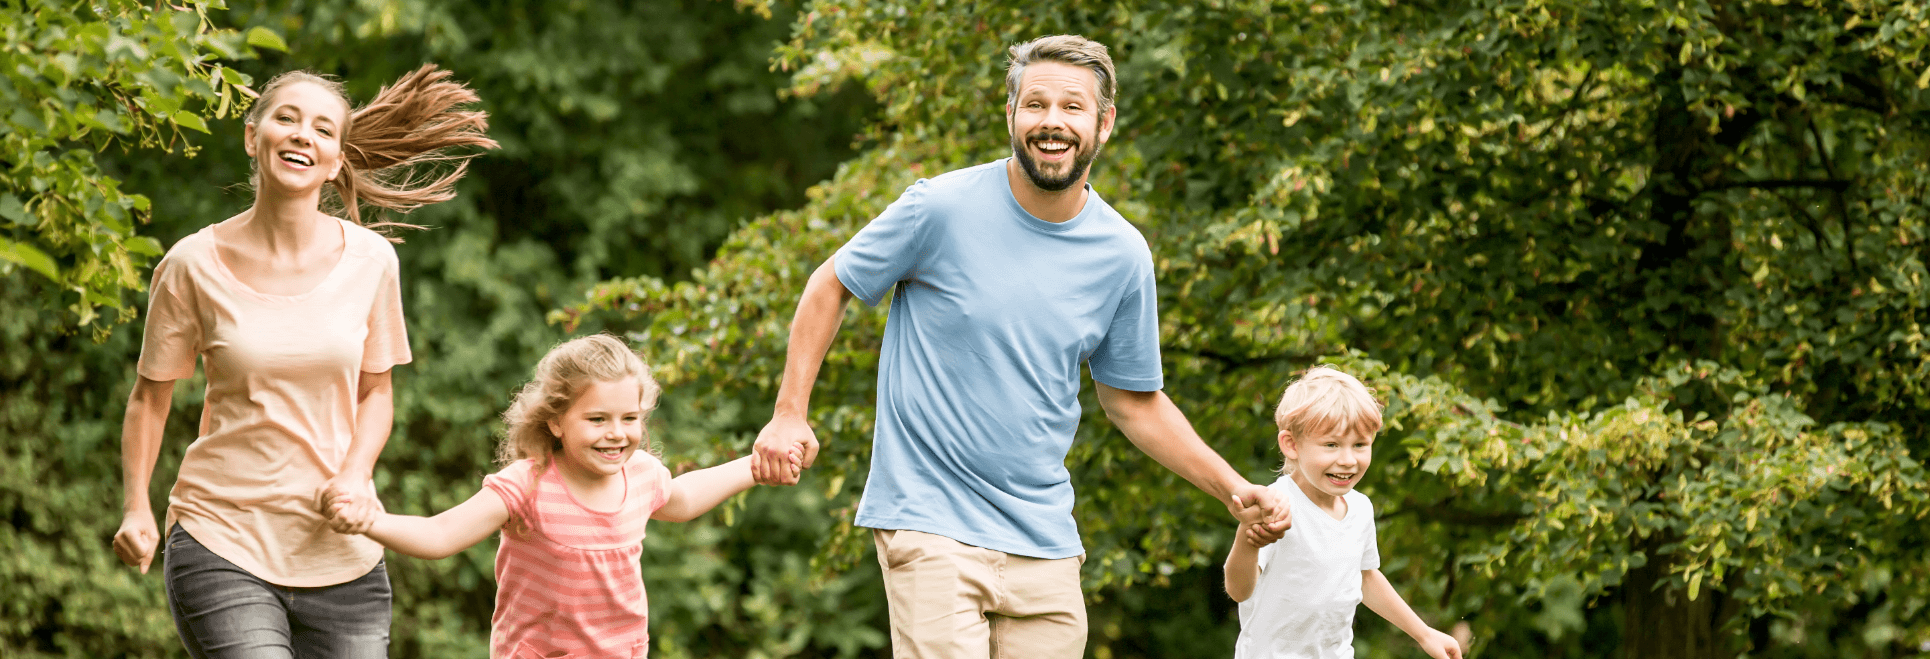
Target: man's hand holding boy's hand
x=1260, y=507
x=1256, y=535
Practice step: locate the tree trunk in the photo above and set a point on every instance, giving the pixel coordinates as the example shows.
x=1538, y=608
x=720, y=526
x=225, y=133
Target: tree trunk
x=1662, y=623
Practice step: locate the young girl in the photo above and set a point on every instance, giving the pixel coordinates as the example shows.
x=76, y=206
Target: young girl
x=572, y=503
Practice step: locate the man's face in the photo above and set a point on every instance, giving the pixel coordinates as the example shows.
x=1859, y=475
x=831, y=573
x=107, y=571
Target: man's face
x=1055, y=124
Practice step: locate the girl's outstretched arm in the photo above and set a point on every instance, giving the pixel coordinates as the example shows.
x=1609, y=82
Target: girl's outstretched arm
x=441, y=536
x=1379, y=595
x=697, y=492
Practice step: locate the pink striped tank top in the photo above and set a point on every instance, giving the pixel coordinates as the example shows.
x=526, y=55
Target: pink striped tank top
x=568, y=581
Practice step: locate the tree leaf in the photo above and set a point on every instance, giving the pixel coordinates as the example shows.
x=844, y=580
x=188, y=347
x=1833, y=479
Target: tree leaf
x=261, y=37
x=188, y=119
x=29, y=256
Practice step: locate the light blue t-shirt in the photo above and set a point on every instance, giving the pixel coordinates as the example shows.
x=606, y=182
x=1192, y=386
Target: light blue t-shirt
x=978, y=379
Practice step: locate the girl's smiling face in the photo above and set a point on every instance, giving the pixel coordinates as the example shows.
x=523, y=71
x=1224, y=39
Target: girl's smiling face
x=601, y=430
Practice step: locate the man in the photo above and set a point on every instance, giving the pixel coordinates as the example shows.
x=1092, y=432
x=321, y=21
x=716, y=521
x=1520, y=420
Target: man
x=1009, y=275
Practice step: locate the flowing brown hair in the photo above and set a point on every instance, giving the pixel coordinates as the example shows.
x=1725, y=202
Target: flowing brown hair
x=414, y=121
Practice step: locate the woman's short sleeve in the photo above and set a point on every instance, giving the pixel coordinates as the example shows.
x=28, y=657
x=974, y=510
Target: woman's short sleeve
x=171, y=337
x=388, y=340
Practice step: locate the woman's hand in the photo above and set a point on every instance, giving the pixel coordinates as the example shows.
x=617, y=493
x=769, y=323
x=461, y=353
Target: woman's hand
x=136, y=540
x=349, y=502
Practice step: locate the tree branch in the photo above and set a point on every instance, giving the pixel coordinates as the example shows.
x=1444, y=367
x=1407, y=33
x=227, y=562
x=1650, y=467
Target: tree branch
x=1777, y=184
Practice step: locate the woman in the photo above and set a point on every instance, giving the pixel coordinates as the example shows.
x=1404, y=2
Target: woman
x=297, y=319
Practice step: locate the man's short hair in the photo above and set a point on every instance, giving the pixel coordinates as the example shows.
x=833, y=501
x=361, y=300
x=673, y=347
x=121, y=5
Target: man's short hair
x=1065, y=48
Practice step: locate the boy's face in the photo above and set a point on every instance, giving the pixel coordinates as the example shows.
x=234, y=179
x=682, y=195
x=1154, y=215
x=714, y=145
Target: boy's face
x=1332, y=464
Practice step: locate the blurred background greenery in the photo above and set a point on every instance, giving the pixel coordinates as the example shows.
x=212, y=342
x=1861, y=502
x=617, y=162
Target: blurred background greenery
x=1641, y=283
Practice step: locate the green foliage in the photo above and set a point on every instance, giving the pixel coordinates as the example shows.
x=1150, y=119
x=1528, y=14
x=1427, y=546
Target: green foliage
x=1641, y=283
x=79, y=77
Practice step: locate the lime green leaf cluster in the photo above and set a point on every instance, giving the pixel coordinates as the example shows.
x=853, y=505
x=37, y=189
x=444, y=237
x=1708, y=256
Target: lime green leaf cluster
x=77, y=78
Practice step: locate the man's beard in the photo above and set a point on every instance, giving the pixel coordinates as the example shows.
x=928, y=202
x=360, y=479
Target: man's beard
x=1081, y=159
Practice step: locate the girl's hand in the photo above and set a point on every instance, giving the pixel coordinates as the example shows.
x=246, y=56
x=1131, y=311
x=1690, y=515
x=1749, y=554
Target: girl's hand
x=349, y=514
x=1440, y=645
x=136, y=540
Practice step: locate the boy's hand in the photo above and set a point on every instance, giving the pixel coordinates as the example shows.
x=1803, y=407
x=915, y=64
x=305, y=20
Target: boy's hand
x=1439, y=645
x=1262, y=507
x=1256, y=535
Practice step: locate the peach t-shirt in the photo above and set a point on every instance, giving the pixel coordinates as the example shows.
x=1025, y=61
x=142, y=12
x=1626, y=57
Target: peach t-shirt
x=280, y=409
x=568, y=583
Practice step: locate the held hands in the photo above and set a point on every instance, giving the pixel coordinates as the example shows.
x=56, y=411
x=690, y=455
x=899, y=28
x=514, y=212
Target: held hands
x=785, y=448
x=1256, y=535
x=1263, y=516
x=349, y=502
x=136, y=540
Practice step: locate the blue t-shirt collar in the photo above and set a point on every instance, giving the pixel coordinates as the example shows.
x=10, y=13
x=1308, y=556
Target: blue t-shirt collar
x=1033, y=221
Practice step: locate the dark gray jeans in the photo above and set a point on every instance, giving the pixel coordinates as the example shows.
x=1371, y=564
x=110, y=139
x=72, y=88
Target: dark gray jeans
x=224, y=612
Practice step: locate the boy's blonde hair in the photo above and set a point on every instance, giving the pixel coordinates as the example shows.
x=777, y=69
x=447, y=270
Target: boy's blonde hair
x=561, y=377
x=1326, y=402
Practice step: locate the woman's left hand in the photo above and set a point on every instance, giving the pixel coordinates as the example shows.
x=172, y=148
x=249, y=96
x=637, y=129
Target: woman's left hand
x=349, y=502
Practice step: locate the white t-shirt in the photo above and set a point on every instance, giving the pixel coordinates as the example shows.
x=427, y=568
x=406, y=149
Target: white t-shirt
x=1303, y=603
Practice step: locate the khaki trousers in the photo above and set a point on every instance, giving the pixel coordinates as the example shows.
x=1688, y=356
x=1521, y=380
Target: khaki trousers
x=950, y=600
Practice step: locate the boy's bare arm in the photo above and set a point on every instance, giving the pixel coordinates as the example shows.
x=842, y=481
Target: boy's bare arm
x=1379, y=595
x=443, y=535
x=1242, y=565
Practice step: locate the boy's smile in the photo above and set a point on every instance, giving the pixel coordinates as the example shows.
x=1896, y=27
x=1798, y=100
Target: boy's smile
x=1327, y=467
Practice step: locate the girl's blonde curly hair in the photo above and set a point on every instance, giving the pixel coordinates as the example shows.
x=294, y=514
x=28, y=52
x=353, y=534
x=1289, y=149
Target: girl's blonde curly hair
x=560, y=378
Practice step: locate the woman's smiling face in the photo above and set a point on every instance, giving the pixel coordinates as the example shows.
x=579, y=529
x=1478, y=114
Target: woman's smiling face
x=297, y=141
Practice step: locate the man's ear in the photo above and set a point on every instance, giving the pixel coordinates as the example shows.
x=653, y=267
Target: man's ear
x=1106, y=123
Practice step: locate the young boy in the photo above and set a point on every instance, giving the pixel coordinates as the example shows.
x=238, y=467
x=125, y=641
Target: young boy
x=1297, y=595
